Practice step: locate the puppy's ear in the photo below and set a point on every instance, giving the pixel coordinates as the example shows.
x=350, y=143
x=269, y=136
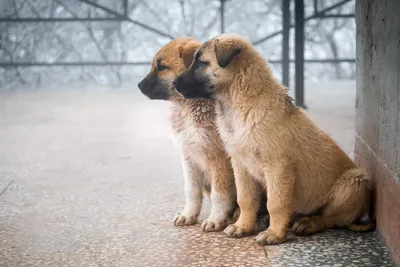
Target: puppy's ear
x=225, y=52
x=186, y=52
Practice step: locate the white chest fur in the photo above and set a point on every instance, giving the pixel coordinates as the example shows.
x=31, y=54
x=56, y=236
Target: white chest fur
x=232, y=130
x=237, y=139
x=192, y=139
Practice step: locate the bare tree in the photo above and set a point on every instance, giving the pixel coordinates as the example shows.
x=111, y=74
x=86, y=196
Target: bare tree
x=125, y=41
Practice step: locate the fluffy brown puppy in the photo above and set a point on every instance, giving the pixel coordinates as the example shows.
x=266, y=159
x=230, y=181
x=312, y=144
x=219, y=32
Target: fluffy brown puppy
x=205, y=163
x=274, y=143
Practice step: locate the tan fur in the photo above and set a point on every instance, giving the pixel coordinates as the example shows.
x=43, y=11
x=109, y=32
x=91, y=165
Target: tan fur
x=205, y=162
x=273, y=142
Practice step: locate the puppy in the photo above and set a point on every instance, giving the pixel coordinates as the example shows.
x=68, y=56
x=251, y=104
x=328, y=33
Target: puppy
x=206, y=166
x=273, y=142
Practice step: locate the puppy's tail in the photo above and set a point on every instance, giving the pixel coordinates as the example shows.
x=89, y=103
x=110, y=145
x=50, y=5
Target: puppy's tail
x=367, y=222
x=369, y=227
x=354, y=189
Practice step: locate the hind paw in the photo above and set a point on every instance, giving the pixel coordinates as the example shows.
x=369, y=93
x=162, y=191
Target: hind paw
x=304, y=226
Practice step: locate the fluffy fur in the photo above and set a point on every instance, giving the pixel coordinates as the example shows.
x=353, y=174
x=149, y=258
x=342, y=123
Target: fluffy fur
x=274, y=146
x=206, y=166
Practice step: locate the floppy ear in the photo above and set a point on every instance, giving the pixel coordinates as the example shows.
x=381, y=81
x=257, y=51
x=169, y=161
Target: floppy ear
x=186, y=52
x=225, y=52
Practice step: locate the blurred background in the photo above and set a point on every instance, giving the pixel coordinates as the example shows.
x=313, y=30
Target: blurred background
x=109, y=42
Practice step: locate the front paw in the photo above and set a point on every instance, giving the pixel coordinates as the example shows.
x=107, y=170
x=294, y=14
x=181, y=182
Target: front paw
x=213, y=225
x=268, y=237
x=236, y=231
x=181, y=220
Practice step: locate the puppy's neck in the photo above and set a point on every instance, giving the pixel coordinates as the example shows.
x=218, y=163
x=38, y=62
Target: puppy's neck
x=199, y=110
x=256, y=81
x=254, y=89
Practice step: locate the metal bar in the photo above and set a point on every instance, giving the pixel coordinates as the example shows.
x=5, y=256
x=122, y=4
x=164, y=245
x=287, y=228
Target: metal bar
x=331, y=61
x=269, y=36
x=259, y=41
x=285, y=42
x=106, y=9
x=87, y=63
x=6, y=187
x=299, y=52
x=57, y=19
x=150, y=28
x=145, y=63
x=222, y=13
x=334, y=6
x=327, y=16
x=128, y=19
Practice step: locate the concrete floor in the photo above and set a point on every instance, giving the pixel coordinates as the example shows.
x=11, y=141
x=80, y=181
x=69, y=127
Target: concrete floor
x=92, y=178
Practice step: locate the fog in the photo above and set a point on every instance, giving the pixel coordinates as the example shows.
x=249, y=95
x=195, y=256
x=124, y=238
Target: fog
x=152, y=23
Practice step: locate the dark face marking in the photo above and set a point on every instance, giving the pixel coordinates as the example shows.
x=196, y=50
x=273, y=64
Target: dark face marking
x=193, y=83
x=160, y=66
x=152, y=87
x=198, y=63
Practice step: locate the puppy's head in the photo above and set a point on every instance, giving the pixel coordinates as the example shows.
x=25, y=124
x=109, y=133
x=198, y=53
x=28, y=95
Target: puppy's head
x=214, y=66
x=170, y=62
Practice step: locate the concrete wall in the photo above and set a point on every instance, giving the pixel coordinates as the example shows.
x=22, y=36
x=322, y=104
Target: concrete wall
x=378, y=110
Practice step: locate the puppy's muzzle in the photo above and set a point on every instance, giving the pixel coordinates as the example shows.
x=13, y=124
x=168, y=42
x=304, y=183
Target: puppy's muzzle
x=150, y=87
x=182, y=86
x=144, y=85
x=190, y=90
x=141, y=85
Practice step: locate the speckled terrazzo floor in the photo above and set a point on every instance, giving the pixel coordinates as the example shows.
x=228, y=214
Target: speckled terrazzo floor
x=94, y=180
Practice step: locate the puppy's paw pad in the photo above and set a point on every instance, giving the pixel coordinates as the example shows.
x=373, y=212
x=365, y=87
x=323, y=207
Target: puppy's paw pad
x=212, y=226
x=304, y=226
x=235, y=231
x=269, y=238
x=181, y=220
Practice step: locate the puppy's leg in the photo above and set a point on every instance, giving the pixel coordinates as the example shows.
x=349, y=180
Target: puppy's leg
x=194, y=179
x=262, y=211
x=280, y=188
x=236, y=214
x=248, y=200
x=348, y=201
x=223, y=194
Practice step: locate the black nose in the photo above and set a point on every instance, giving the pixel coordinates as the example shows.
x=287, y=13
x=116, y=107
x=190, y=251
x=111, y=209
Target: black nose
x=175, y=82
x=140, y=85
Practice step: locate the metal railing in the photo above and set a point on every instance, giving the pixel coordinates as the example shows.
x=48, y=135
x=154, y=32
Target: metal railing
x=300, y=20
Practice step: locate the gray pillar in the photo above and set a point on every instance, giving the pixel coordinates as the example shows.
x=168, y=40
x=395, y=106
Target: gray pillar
x=377, y=149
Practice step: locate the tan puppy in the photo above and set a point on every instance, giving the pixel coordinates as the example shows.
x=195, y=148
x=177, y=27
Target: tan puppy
x=205, y=163
x=274, y=143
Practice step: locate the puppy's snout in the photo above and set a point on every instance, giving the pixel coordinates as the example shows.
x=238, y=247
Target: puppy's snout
x=141, y=84
x=148, y=82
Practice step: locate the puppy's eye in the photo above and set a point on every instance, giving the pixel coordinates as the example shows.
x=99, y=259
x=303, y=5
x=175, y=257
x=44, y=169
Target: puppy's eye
x=202, y=63
x=161, y=67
